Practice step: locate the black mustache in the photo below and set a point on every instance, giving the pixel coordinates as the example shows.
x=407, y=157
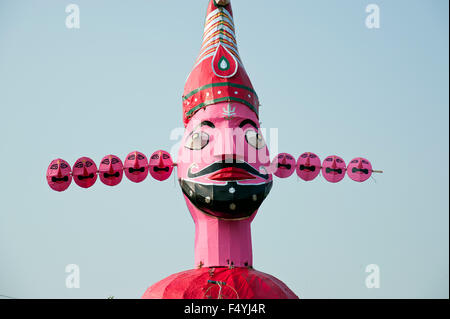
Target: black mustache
x=287, y=166
x=337, y=170
x=81, y=177
x=132, y=170
x=221, y=165
x=364, y=170
x=62, y=179
x=158, y=169
x=310, y=168
x=107, y=175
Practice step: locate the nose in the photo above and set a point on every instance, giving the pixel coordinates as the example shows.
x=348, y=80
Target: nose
x=360, y=164
x=136, y=163
x=110, y=168
x=307, y=161
x=59, y=172
x=160, y=163
x=228, y=147
x=334, y=163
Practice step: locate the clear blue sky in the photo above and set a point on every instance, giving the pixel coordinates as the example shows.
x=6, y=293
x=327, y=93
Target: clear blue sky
x=329, y=85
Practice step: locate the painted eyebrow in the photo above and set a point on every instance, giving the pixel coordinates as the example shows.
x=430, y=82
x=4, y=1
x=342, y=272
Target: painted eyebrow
x=204, y=123
x=207, y=123
x=248, y=121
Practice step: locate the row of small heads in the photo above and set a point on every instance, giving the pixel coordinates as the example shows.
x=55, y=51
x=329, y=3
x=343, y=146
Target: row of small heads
x=160, y=166
x=111, y=169
x=333, y=168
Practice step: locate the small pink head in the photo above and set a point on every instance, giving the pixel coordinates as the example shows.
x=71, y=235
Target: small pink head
x=308, y=166
x=59, y=175
x=136, y=167
x=161, y=165
x=333, y=169
x=283, y=165
x=111, y=170
x=224, y=163
x=84, y=172
x=359, y=169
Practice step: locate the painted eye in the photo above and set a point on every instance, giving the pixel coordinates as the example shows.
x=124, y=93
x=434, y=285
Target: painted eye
x=64, y=165
x=329, y=159
x=312, y=156
x=105, y=161
x=304, y=156
x=339, y=160
x=54, y=166
x=79, y=165
x=140, y=157
x=197, y=141
x=132, y=157
x=365, y=162
x=289, y=158
x=114, y=161
x=88, y=164
x=165, y=156
x=255, y=139
x=156, y=156
x=355, y=161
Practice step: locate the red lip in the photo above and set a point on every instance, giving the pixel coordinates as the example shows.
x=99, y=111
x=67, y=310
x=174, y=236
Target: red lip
x=231, y=174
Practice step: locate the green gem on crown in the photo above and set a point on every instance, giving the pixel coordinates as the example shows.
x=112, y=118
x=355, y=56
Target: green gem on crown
x=224, y=65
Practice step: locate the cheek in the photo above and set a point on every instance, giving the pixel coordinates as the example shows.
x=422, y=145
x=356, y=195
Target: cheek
x=142, y=163
x=316, y=162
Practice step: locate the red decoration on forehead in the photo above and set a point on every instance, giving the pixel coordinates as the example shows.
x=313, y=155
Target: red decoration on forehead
x=218, y=74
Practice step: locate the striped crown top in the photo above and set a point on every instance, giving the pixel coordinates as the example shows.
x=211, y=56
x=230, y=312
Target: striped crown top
x=218, y=74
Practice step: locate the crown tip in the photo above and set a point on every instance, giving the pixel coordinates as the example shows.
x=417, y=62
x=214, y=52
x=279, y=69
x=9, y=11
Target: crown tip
x=222, y=3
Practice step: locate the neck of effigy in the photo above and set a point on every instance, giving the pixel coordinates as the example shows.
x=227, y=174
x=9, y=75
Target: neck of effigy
x=220, y=242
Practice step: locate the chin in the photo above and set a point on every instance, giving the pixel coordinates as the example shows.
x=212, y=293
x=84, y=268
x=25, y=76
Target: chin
x=230, y=201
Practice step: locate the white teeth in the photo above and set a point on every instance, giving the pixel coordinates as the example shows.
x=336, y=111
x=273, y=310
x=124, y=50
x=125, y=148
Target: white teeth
x=232, y=206
x=232, y=190
x=255, y=198
x=191, y=193
x=208, y=200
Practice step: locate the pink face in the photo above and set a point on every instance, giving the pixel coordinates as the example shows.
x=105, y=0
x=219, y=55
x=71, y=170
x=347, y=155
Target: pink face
x=333, y=169
x=308, y=166
x=284, y=165
x=84, y=172
x=111, y=170
x=223, y=163
x=136, y=167
x=161, y=165
x=359, y=169
x=59, y=175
